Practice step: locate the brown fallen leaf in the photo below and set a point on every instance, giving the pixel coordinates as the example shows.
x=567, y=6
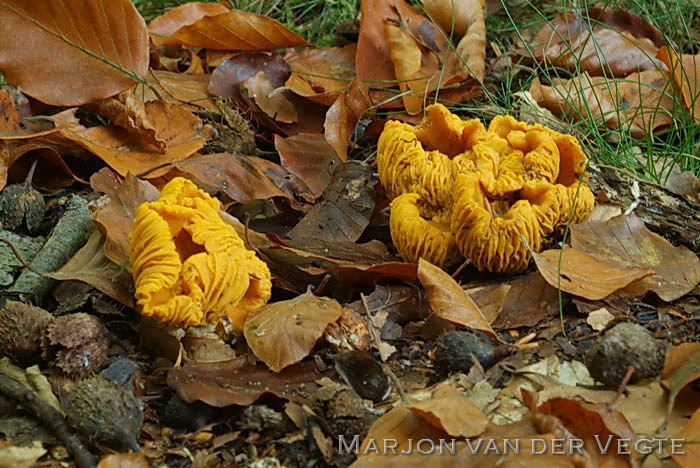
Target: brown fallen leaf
x=450, y=411
x=530, y=301
x=123, y=460
x=17, y=157
x=283, y=333
x=681, y=367
x=586, y=275
x=321, y=74
x=343, y=115
x=188, y=90
x=270, y=99
x=309, y=157
x=448, y=300
x=182, y=131
x=677, y=269
x=690, y=458
x=599, y=41
x=453, y=16
x=77, y=53
x=91, y=266
x=167, y=24
x=235, y=30
x=641, y=103
x=245, y=178
x=219, y=387
x=469, y=58
x=129, y=112
x=116, y=219
x=686, y=75
x=344, y=212
x=595, y=425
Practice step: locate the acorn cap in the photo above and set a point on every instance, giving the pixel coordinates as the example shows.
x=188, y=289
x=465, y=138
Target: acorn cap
x=21, y=329
x=104, y=412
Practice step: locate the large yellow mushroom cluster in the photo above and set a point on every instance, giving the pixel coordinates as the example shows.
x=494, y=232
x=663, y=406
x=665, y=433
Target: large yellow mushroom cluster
x=189, y=266
x=460, y=190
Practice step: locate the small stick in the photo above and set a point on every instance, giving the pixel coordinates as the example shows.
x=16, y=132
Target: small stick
x=18, y=254
x=48, y=415
x=621, y=388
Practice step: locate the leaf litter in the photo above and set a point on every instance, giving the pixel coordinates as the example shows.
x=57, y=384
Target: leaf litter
x=351, y=342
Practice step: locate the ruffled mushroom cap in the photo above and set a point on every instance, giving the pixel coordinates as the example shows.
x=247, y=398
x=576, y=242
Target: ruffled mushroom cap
x=553, y=203
x=488, y=233
x=419, y=159
x=416, y=237
x=190, y=267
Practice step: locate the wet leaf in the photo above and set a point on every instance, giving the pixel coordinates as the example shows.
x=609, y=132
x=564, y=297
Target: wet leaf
x=270, y=99
x=309, y=157
x=235, y=30
x=586, y=275
x=448, y=300
x=450, y=411
x=91, y=266
x=219, y=387
x=641, y=103
x=78, y=52
x=599, y=41
x=182, y=131
x=283, y=333
x=626, y=239
x=681, y=367
x=116, y=219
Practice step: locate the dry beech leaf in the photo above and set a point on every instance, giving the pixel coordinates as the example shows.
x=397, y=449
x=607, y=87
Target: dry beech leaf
x=164, y=26
x=309, y=157
x=626, y=239
x=220, y=387
x=245, y=178
x=402, y=425
x=321, y=74
x=586, y=421
x=117, y=218
x=681, y=367
x=529, y=302
x=123, y=460
x=182, y=131
x=21, y=456
x=236, y=30
x=129, y=112
x=270, y=99
x=90, y=266
x=641, y=103
x=448, y=300
x=453, y=15
x=343, y=115
x=599, y=41
x=180, y=88
x=407, y=57
x=690, y=432
x=72, y=52
x=285, y=332
x=586, y=275
x=470, y=56
x=686, y=75
x=450, y=411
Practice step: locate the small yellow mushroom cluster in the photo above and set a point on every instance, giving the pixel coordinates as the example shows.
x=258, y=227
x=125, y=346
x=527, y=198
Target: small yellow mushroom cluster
x=189, y=266
x=459, y=190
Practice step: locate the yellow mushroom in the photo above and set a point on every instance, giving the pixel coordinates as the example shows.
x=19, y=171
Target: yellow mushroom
x=189, y=266
x=485, y=188
x=416, y=237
